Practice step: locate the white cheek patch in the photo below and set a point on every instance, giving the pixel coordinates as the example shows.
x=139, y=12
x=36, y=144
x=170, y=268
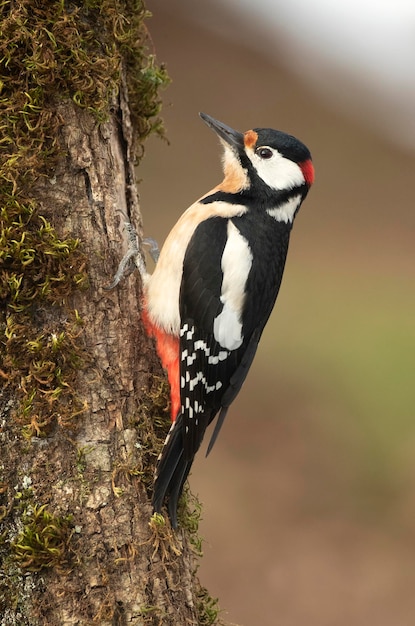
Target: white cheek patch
x=277, y=172
x=286, y=211
x=236, y=264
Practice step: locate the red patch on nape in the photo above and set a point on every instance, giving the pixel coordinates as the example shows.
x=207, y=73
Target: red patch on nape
x=168, y=350
x=307, y=169
x=250, y=138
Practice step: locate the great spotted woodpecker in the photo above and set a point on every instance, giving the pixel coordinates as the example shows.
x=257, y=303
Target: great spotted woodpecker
x=214, y=287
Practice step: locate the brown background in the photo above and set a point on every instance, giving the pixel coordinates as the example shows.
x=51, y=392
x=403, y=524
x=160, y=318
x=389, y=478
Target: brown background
x=309, y=507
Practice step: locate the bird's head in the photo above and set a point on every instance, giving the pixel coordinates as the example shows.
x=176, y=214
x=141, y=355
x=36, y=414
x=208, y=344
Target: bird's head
x=262, y=156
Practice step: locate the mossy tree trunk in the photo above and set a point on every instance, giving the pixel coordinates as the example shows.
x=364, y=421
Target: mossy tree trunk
x=83, y=400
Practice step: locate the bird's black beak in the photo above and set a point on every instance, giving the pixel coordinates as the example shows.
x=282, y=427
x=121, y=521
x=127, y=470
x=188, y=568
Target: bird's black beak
x=232, y=137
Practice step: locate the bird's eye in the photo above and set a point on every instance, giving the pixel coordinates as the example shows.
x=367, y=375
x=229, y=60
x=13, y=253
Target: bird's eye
x=264, y=153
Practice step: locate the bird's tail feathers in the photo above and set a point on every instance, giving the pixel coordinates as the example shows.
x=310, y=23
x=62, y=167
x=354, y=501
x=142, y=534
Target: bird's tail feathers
x=218, y=426
x=176, y=487
x=171, y=472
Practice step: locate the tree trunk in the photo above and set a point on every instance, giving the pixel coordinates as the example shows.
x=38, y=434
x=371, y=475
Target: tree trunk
x=83, y=400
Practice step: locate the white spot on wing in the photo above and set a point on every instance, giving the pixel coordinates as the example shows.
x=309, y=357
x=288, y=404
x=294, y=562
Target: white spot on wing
x=227, y=329
x=184, y=329
x=199, y=379
x=195, y=381
x=213, y=360
x=236, y=264
x=201, y=345
x=190, y=359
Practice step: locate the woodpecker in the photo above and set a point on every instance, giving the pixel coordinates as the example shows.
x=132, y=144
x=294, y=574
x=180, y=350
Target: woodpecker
x=214, y=287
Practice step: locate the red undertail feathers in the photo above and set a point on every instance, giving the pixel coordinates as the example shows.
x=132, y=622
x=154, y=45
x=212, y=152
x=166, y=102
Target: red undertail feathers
x=168, y=352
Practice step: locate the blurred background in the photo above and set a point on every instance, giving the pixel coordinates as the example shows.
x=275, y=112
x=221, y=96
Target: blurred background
x=309, y=494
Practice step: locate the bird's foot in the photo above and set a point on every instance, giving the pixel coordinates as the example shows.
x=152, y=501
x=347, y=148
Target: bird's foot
x=133, y=258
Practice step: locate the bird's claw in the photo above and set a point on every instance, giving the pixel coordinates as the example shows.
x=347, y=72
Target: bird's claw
x=132, y=258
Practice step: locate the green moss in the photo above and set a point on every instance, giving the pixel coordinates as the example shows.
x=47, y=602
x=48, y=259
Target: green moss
x=152, y=615
x=50, y=52
x=42, y=369
x=43, y=541
x=167, y=544
x=35, y=264
x=164, y=540
x=189, y=515
x=152, y=423
x=75, y=50
x=207, y=608
x=32, y=538
x=121, y=476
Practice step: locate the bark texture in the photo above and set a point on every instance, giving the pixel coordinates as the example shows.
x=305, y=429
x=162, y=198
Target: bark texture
x=117, y=570
x=78, y=545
